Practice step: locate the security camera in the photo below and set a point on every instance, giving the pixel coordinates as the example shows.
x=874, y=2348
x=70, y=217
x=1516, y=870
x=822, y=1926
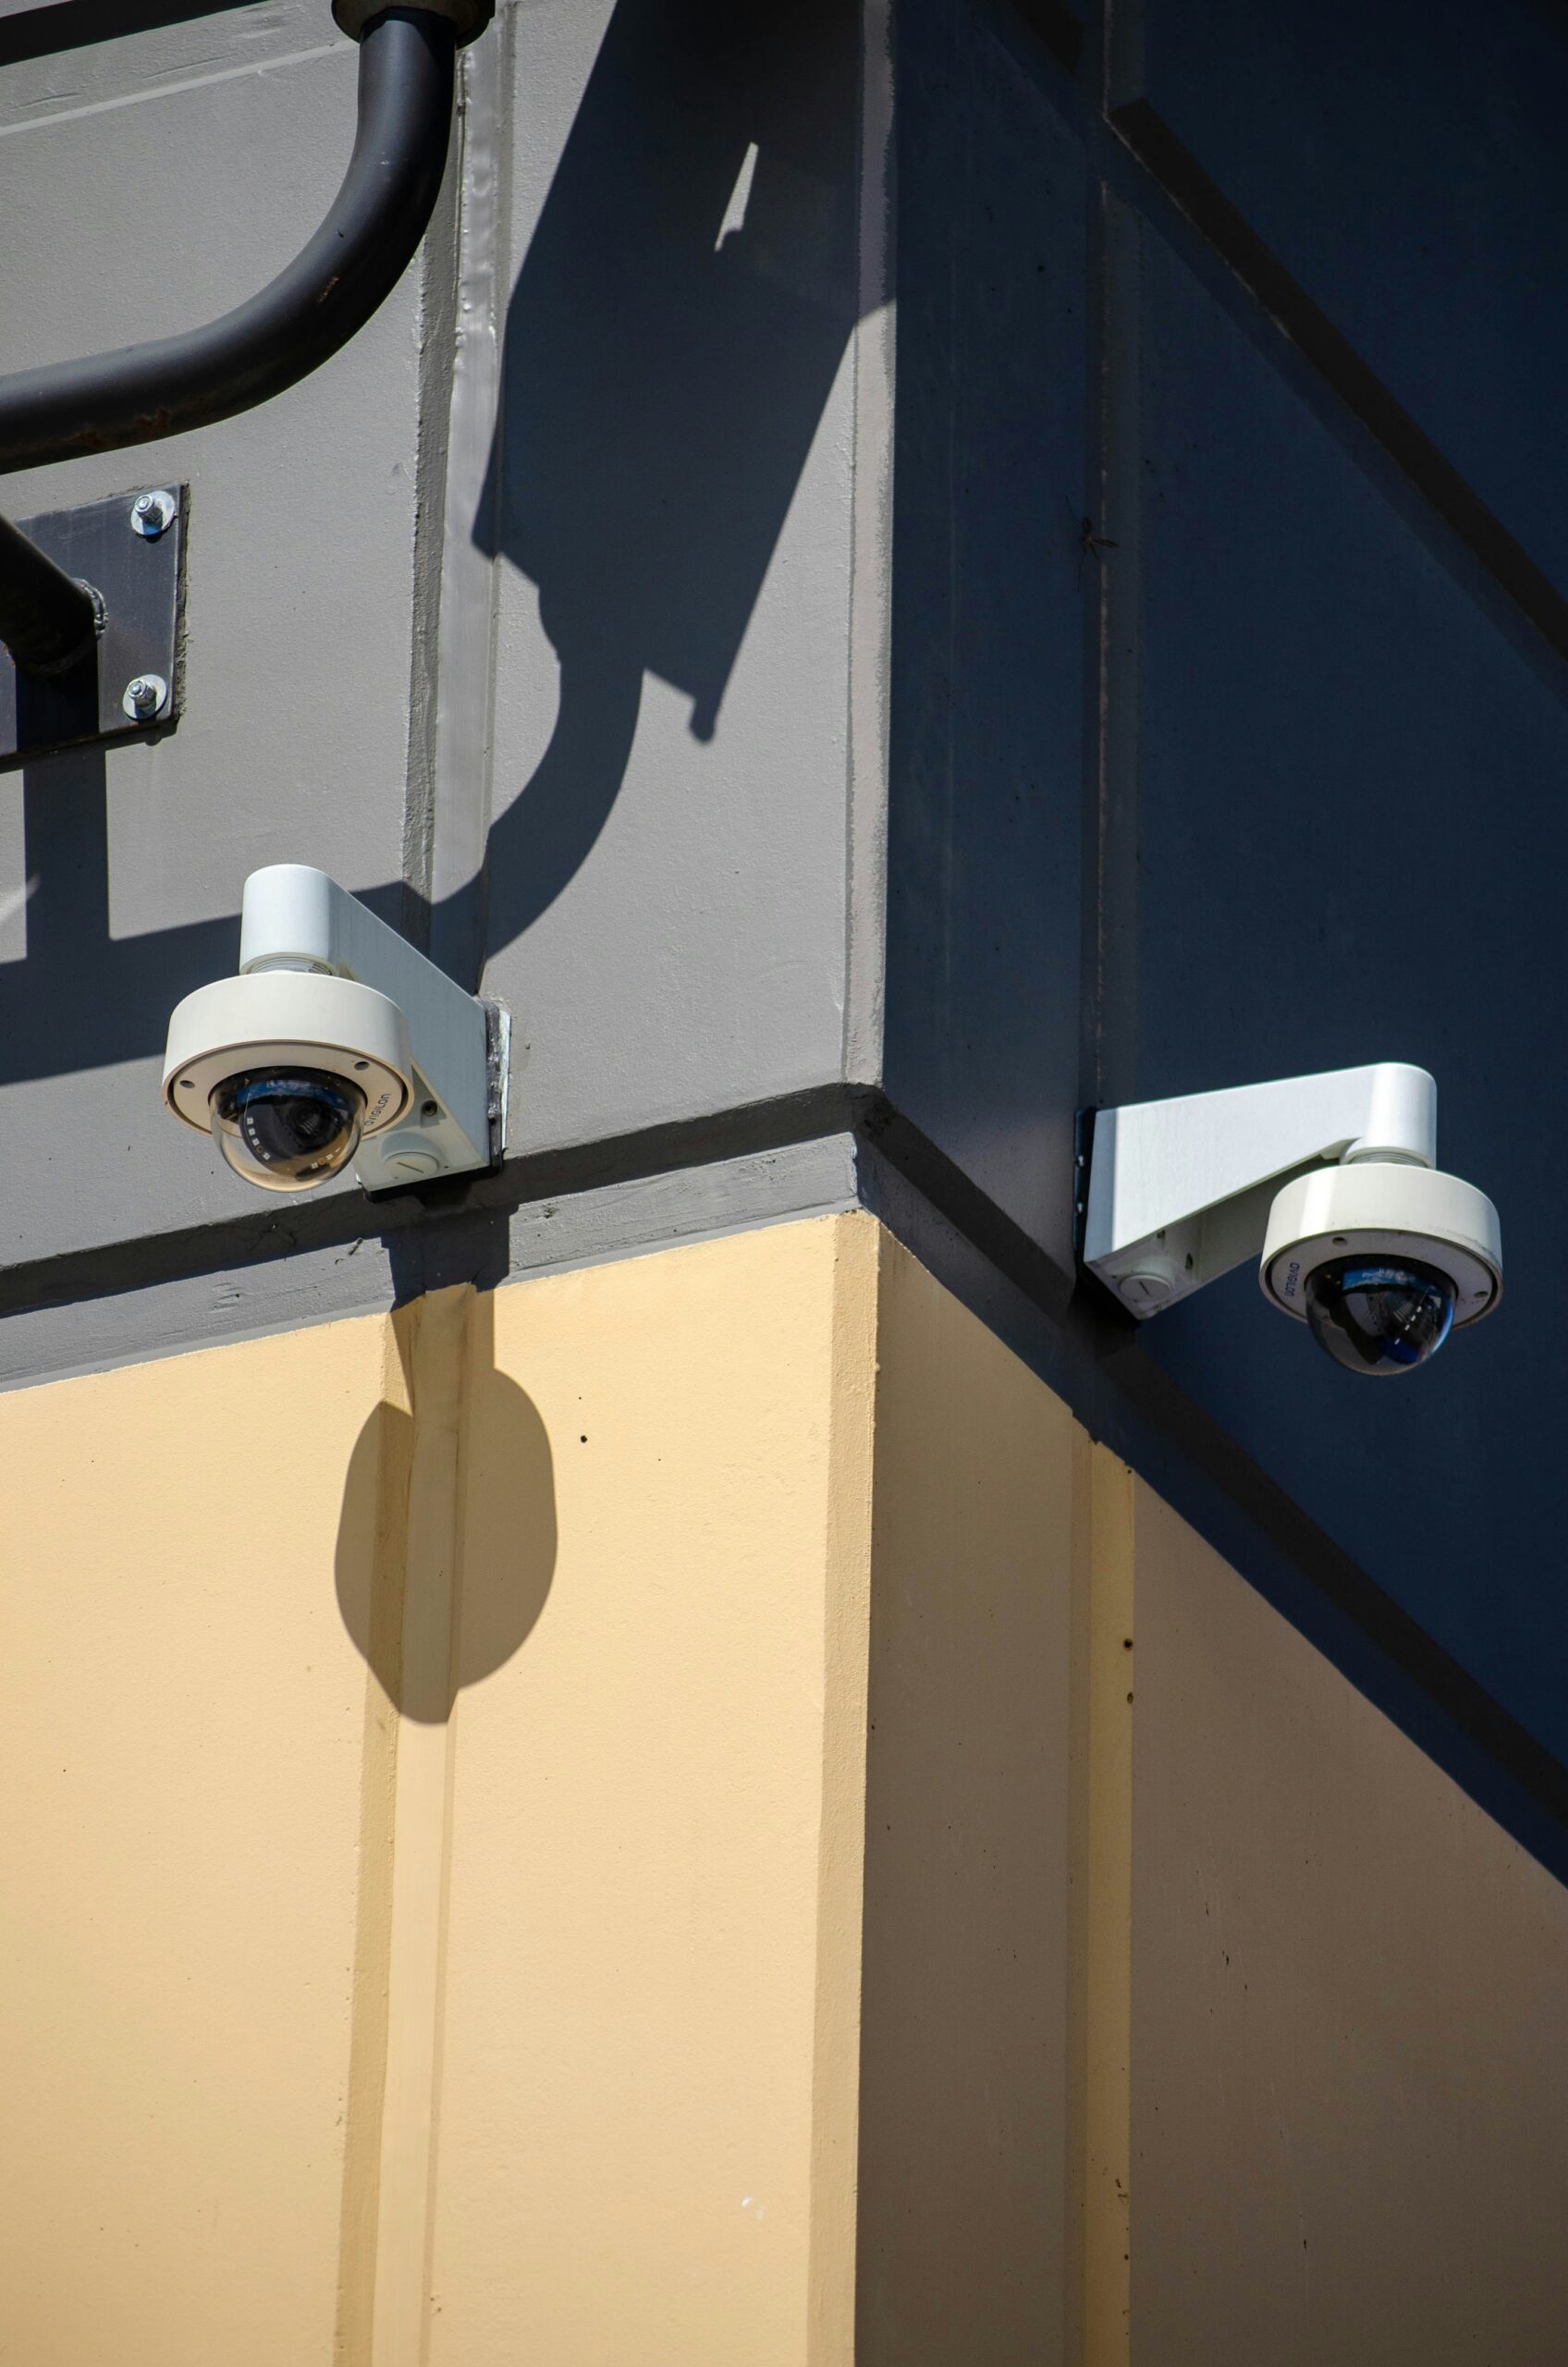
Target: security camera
x=1334, y=1178
x=337, y=1042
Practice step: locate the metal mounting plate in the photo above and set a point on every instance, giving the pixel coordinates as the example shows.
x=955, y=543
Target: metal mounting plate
x=140, y=576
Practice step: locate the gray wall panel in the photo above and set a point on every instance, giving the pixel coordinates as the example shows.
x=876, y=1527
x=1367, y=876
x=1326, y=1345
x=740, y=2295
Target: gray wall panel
x=669, y=500
x=221, y=143
x=666, y=504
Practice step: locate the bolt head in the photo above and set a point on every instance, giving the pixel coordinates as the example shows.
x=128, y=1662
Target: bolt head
x=153, y=513
x=145, y=695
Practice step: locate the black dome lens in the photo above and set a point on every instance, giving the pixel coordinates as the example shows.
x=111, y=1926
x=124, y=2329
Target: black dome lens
x=1379, y=1316
x=288, y=1130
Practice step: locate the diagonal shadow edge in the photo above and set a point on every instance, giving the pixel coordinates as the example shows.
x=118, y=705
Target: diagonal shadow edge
x=82, y=999
x=46, y=31
x=1149, y=139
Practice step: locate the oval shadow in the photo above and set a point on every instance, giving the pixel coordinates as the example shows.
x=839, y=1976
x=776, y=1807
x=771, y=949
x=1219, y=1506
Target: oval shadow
x=508, y=1551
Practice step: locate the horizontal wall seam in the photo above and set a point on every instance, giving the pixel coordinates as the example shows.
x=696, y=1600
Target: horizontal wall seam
x=342, y=1219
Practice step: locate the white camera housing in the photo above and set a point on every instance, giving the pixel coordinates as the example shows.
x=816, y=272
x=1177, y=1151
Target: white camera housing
x=1321, y=1175
x=326, y=989
x=1382, y=1210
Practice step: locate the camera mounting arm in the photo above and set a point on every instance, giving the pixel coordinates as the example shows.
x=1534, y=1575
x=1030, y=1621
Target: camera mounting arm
x=337, y=1040
x=1180, y=1191
x=295, y=918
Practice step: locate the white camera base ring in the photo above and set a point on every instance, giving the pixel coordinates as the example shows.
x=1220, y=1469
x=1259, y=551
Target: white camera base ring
x=1383, y=1210
x=278, y=1019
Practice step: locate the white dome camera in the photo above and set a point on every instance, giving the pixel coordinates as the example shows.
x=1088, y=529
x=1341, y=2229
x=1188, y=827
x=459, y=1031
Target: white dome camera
x=1333, y=1178
x=337, y=1042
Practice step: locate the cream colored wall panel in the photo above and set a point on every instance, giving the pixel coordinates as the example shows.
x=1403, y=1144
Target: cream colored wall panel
x=1101, y=1896
x=964, y=2111
x=703, y=1935
x=1349, y=2083
x=181, y=1716
x=630, y=2106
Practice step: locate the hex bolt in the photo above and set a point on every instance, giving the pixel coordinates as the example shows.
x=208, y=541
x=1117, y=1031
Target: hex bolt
x=153, y=513
x=143, y=697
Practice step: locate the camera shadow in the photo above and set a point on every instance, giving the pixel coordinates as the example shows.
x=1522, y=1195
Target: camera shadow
x=446, y=1537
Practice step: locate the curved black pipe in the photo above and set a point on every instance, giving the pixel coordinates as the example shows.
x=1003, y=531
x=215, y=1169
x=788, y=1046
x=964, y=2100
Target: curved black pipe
x=329, y=291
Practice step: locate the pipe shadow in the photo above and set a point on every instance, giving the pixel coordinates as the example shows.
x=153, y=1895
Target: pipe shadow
x=506, y=1524
x=676, y=328
x=82, y=999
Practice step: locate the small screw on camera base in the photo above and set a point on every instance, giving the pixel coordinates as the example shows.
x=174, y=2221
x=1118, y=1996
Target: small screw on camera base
x=1150, y=1284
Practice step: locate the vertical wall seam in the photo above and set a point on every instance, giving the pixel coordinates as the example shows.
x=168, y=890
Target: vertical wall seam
x=373, y=1917
x=466, y=620
x=478, y=1353
x=436, y=360
x=871, y=563
x=1099, y=2191
x=834, y=2123
x=434, y=1336
x=1121, y=630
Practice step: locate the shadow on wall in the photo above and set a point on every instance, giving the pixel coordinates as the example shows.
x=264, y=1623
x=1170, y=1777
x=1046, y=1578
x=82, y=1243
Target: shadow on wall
x=424, y=1631
x=676, y=325
x=676, y=328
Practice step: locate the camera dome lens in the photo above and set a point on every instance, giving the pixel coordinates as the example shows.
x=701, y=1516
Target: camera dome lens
x=1376, y=1317
x=288, y=1130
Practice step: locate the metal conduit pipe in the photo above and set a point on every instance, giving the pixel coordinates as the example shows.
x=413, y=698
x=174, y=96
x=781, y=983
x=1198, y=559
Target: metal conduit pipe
x=297, y=322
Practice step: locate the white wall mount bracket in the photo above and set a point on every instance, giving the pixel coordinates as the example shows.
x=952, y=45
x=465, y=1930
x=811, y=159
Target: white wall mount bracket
x=1182, y=1190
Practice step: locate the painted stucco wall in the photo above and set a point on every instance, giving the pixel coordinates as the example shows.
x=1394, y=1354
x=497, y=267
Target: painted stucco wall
x=676, y=608
x=457, y=1917
x=288, y=1914
x=1350, y=2072
x=967, y=2143
x=594, y=1818
x=890, y=572
x=184, y=1730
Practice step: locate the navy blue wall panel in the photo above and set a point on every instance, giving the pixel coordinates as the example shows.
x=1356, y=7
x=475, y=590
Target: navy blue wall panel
x=984, y=857
x=1353, y=835
x=1407, y=165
